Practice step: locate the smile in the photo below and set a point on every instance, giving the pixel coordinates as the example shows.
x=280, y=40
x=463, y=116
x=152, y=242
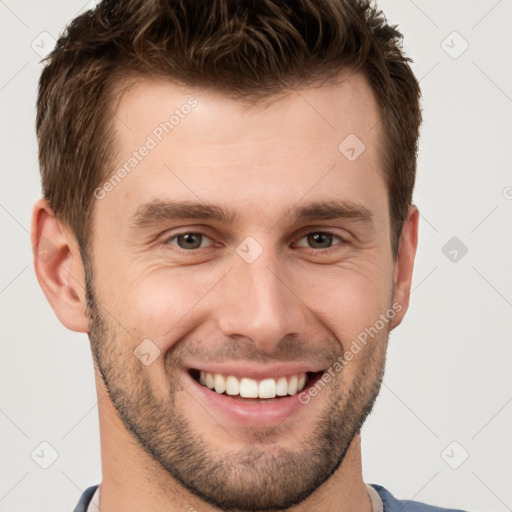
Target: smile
x=247, y=388
x=251, y=388
x=248, y=395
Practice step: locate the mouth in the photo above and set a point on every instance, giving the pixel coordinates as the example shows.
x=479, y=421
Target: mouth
x=248, y=390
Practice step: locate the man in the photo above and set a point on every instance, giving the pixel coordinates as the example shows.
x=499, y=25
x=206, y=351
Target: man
x=228, y=203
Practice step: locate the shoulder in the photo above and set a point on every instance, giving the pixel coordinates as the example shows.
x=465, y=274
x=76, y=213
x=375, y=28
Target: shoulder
x=85, y=499
x=392, y=504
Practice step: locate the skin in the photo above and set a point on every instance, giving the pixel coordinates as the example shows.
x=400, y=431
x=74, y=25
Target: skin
x=161, y=448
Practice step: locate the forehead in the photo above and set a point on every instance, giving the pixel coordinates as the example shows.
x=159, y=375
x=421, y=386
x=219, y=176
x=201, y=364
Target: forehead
x=346, y=105
x=319, y=142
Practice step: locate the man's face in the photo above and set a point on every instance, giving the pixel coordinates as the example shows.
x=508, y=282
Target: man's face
x=281, y=285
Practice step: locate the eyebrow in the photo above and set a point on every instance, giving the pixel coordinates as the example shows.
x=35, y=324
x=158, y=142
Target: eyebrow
x=156, y=211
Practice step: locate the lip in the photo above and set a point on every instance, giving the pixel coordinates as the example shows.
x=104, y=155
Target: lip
x=248, y=414
x=251, y=371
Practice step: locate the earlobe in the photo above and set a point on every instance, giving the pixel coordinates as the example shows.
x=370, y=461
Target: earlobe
x=404, y=265
x=58, y=266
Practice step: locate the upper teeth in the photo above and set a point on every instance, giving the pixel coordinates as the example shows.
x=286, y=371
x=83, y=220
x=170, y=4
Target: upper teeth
x=250, y=388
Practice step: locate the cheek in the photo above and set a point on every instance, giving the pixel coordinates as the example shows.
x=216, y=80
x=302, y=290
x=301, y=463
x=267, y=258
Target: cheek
x=160, y=304
x=347, y=300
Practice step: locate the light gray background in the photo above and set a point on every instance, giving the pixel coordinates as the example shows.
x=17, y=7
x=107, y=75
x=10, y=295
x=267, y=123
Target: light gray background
x=448, y=373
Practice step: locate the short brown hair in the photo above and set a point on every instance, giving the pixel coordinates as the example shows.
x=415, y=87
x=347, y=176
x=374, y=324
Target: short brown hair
x=245, y=49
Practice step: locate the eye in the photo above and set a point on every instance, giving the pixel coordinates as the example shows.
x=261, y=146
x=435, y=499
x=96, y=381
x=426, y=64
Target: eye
x=319, y=240
x=188, y=240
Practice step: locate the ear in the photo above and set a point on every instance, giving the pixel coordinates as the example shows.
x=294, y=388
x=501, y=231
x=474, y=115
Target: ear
x=59, y=267
x=404, y=264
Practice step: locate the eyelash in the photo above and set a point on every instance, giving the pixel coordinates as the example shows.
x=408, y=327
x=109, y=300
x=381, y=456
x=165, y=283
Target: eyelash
x=327, y=250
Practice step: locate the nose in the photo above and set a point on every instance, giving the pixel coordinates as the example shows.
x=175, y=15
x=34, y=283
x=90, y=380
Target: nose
x=259, y=303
